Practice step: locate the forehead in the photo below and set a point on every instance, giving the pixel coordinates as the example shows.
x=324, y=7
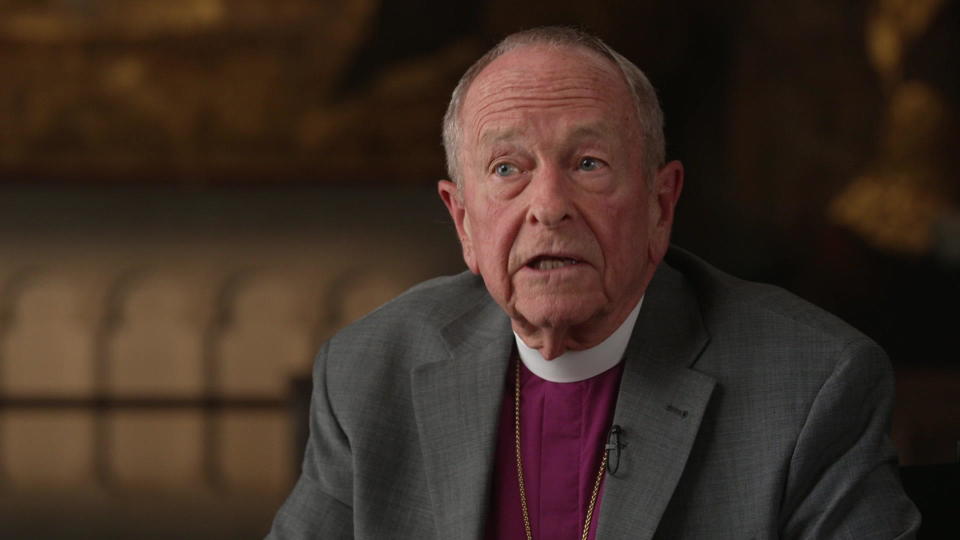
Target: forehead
x=538, y=82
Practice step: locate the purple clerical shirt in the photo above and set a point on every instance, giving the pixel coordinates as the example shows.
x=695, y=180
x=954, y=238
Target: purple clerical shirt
x=563, y=428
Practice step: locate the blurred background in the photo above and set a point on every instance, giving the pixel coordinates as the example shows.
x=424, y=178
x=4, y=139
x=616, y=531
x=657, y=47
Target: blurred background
x=194, y=194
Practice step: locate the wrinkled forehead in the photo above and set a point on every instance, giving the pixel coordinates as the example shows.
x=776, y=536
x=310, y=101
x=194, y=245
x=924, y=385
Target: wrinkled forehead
x=544, y=78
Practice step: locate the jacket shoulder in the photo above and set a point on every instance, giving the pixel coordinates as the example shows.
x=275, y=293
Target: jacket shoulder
x=758, y=310
x=431, y=303
x=407, y=329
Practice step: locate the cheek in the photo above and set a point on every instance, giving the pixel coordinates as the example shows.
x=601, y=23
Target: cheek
x=495, y=237
x=625, y=245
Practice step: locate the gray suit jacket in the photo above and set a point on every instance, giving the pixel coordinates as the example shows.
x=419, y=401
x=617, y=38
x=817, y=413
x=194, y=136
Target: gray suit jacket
x=747, y=413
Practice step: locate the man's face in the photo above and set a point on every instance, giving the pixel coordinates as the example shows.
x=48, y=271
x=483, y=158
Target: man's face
x=555, y=211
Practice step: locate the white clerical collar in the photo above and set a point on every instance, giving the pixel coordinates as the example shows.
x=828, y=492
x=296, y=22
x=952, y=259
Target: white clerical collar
x=573, y=366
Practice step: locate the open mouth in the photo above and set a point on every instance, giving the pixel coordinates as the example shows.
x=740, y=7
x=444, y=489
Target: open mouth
x=546, y=262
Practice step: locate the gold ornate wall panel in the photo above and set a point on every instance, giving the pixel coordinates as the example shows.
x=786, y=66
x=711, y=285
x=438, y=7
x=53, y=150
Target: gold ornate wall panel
x=206, y=90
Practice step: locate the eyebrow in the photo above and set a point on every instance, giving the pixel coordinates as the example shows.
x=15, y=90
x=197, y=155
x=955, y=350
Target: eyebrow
x=496, y=136
x=580, y=132
x=589, y=130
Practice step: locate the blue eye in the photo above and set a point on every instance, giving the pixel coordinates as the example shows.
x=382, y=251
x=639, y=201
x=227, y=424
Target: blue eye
x=505, y=169
x=590, y=164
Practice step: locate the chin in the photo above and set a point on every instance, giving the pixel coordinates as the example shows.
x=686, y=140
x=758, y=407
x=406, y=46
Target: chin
x=558, y=312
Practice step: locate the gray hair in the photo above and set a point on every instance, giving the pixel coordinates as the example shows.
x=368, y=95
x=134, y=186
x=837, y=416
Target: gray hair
x=649, y=114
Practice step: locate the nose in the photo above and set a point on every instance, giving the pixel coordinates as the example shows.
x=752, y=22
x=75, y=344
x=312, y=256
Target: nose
x=550, y=198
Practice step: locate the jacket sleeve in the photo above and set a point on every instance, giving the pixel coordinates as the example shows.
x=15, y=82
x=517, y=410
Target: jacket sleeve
x=843, y=479
x=320, y=505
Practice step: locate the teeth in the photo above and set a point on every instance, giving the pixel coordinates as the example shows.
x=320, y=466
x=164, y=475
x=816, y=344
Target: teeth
x=550, y=264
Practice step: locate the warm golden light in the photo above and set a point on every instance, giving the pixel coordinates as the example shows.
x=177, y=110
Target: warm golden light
x=891, y=26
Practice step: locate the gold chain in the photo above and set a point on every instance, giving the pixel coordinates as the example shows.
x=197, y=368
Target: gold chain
x=523, y=493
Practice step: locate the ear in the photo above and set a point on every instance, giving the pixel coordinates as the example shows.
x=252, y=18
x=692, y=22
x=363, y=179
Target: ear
x=667, y=185
x=451, y=197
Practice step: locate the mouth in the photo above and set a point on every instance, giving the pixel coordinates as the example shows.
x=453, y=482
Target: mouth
x=550, y=262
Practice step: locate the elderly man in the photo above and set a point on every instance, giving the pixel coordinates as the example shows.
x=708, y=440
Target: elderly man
x=584, y=379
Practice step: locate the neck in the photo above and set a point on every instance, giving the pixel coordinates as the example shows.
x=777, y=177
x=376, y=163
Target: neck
x=578, y=365
x=552, y=342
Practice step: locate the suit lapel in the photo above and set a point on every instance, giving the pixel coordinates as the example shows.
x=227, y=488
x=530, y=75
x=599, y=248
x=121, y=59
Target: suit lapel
x=659, y=408
x=457, y=403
